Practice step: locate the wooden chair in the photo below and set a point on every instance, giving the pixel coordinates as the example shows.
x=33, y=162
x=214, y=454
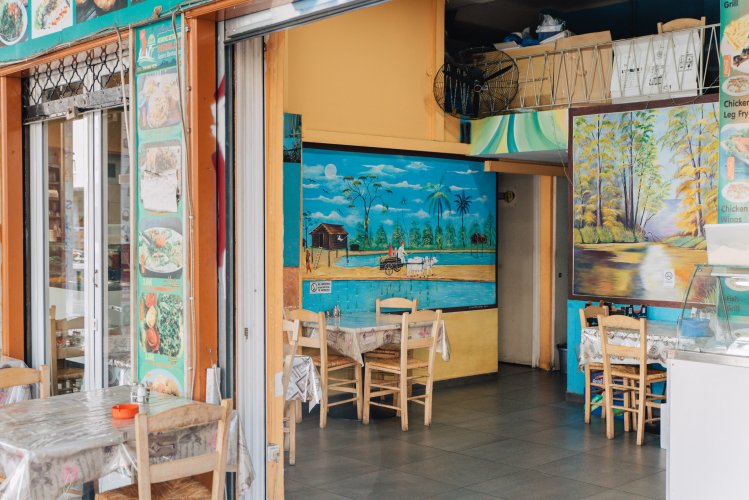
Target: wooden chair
x=62, y=373
x=12, y=377
x=328, y=364
x=592, y=370
x=635, y=380
x=173, y=479
x=681, y=24
x=291, y=334
x=408, y=370
x=391, y=351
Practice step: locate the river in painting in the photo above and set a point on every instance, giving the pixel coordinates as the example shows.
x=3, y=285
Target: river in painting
x=634, y=270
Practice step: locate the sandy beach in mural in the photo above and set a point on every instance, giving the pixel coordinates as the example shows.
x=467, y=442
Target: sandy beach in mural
x=463, y=272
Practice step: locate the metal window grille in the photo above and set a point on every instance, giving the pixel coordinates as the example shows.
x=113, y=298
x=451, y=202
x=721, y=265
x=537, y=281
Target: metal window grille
x=78, y=83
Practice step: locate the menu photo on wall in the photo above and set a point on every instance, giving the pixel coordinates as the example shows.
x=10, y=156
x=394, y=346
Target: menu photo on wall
x=734, y=117
x=161, y=249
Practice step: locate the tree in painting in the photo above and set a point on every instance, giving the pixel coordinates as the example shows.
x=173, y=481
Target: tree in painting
x=439, y=201
x=462, y=206
x=367, y=190
x=644, y=185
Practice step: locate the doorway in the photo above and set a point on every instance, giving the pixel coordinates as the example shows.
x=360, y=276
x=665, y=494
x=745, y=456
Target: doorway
x=80, y=238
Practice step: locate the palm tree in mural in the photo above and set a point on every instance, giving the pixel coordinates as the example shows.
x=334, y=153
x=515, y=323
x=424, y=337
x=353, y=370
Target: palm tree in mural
x=462, y=206
x=439, y=199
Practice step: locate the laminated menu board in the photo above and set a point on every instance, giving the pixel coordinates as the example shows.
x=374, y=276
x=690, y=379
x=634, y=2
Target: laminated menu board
x=162, y=333
x=733, y=193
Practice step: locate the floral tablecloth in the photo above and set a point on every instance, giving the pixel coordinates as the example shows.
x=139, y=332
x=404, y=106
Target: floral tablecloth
x=354, y=334
x=17, y=393
x=47, y=445
x=661, y=339
x=304, y=382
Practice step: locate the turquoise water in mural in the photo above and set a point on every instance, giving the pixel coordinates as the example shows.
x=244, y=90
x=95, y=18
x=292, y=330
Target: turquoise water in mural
x=360, y=295
x=443, y=259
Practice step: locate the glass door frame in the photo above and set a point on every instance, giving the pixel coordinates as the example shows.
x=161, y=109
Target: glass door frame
x=94, y=210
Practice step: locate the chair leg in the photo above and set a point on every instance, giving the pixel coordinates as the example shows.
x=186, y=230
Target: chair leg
x=641, y=412
x=357, y=377
x=367, y=388
x=428, y=402
x=587, y=393
x=324, y=406
x=298, y=412
x=292, y=433
x=609, y=410
x=627, y=404
x=403, y=393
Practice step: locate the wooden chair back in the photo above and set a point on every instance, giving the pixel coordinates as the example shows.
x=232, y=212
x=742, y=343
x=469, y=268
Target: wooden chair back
x=638, y=353
x=58, y=354
x=192, y=415
x=12, y=377
x=396, y=303
x=291, y=334
x=681, y=24
x=408, y=321
x=311, y=320
x=589, y=312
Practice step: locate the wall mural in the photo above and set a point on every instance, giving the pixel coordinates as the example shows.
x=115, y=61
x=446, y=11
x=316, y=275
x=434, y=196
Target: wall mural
x=380, y=225
x=644, y=184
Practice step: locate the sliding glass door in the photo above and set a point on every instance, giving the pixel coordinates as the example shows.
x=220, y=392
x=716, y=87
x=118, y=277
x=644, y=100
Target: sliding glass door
x=81, y=243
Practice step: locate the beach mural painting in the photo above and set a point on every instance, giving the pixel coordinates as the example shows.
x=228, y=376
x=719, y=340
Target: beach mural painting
x=644, y=184
x=383, y=225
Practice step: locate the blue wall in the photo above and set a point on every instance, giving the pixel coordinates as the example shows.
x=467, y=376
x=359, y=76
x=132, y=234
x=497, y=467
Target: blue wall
x=575, y=377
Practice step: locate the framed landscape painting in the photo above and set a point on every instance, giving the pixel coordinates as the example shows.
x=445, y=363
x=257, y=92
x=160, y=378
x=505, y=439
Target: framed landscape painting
x=644, y=182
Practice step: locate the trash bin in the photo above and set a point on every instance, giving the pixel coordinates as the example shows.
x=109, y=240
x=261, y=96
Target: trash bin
x=562, y=348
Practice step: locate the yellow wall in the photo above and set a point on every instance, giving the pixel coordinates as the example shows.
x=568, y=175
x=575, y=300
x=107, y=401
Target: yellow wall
x=473, y=343
x=365, y=78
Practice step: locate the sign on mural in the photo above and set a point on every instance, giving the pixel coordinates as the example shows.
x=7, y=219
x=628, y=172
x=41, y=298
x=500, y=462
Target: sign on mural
x=159, y=217
x=644, y=184
x=382, y=225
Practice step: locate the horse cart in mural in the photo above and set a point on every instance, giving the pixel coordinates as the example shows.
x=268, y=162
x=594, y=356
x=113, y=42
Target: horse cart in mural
x=390, y=265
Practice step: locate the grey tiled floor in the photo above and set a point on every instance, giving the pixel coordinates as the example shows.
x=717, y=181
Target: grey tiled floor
x=514, y=438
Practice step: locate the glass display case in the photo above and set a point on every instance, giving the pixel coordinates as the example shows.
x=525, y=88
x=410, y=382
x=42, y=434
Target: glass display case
x=715, y=312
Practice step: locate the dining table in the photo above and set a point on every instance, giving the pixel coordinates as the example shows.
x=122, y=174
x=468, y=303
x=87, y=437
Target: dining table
x=49, y=445
x=662, y=339
x=356, y=333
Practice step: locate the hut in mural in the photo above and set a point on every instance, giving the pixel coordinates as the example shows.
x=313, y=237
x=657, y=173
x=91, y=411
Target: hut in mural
x=329, y=237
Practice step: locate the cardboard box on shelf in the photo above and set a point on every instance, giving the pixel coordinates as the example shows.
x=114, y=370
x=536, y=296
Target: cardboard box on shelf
x=582, y=69
x=535, y=68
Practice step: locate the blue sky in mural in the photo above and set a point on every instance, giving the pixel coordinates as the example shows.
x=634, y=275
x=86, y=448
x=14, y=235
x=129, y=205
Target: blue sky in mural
x=402, y=194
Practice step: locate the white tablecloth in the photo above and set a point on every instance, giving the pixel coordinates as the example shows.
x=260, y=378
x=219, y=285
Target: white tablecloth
x=304, y=383
x=47, y=445
x=661, y=339
x=354, y=334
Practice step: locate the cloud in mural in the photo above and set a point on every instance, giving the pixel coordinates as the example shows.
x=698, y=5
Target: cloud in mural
x=419, y=166
x=418, y=200
x=401, y=184
x=336, y=218
x=311, y=185
x=460, y=188
x=383, y=170
x=468, y=171
x=382, y=208
x=421, y=214
x=482, y=199
x=388, y=222
x=335, y=200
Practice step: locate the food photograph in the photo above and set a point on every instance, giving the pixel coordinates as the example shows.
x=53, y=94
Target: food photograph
x=161, y=323
x=736, y=146
x=50, y=16
x=89, y=9
x=160, y=171
x=161, y=248
x=158, y=99
x=14, y=22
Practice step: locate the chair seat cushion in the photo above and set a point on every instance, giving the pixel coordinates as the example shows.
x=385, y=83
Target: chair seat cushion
x=634, y=370
x=382, y=354
x=334, y=361
x=69, y=373
x=395, y=364
x=178, y=489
